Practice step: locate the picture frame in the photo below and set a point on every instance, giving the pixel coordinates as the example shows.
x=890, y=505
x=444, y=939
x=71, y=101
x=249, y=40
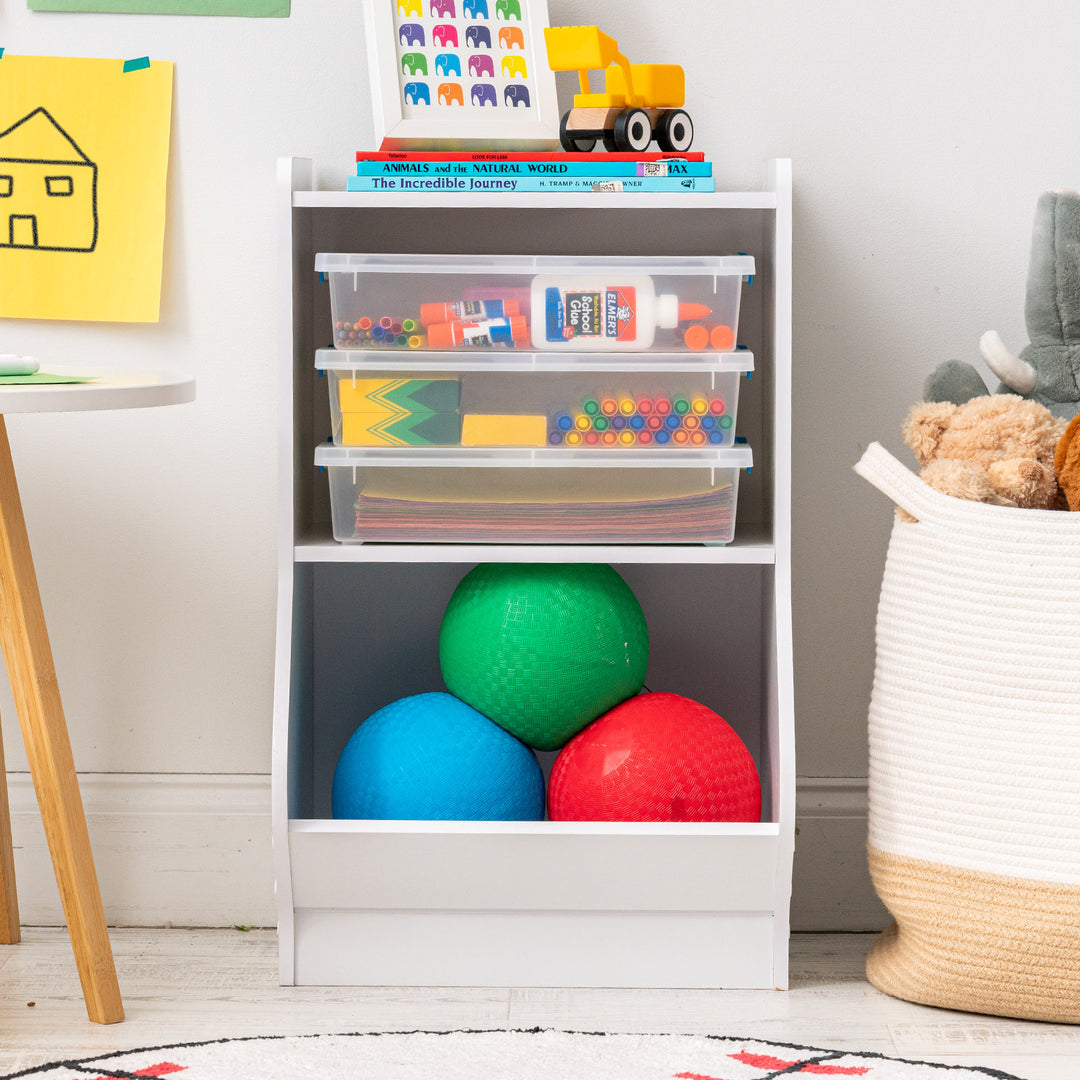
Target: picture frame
x=460, y=75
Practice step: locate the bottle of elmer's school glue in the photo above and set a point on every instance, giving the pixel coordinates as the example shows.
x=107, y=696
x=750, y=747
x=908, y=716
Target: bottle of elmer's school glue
x=603, y=311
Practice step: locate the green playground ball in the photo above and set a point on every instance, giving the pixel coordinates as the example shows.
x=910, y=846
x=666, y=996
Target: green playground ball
x=543, y=649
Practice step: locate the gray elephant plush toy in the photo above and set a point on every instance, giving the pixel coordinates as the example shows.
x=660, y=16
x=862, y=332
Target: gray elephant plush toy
x=1048, y=369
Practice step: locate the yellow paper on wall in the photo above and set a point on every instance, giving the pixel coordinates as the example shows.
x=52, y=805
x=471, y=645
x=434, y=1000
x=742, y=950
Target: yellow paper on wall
x=84, y=152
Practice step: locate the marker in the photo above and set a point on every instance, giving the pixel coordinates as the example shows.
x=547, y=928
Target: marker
x=564, y=421
x=600, y=423
x=408, y=325
x=618, y=421
x=681, y=406
x=626, y=406
x=402, y=339
x=708, y=423
x=654, y=422
x=662, y=437
x=591, y=406
x=364, y=324
x=662, y=406
x=697, y=438
x=645, y=405
x=555, y=438
x=717, y=406
x=386, y=322
x=680, y=437
x=377, y=333
x=690, y=422
x=725, y=422
x=609, y=438
x=644, y=438
x=637, y=421
x=573, y=438
x=592, y=438
x=416, y=341
x=626, y=438
x=716, y=437
x=582, y=423
x=609, y=406
x=672, y=422
x=699, y=406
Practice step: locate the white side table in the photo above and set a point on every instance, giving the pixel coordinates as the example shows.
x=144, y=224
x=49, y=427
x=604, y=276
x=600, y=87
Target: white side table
x=28, y=656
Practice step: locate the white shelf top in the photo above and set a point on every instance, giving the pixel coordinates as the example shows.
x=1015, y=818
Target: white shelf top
x=701, y=200
x=109, y=390
x=521, y=360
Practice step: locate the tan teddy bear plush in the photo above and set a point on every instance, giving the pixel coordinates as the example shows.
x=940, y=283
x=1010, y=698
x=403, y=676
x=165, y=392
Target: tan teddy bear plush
x=998, y=449
x=1067, y=463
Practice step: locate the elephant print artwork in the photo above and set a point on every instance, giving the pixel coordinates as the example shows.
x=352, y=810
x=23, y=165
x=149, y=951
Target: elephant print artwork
x=471, y=56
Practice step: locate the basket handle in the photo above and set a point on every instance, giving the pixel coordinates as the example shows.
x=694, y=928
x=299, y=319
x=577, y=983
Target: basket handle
x=897, y=481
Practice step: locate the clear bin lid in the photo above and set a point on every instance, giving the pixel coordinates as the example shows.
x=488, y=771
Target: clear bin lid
x=337, y=263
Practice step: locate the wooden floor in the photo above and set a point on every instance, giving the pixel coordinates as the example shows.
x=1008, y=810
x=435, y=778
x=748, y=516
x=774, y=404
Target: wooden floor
x=183, y=985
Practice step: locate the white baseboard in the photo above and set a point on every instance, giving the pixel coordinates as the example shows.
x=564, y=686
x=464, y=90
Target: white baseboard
x=170, y=850
x=831, y=890
x=195, y=850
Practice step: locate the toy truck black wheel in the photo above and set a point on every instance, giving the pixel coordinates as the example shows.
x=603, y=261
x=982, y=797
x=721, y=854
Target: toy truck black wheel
x=674, y=131
x=571, y=143
x=632, y=131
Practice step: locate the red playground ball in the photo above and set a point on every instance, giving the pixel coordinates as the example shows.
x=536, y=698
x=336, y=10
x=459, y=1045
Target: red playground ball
x=655, y=757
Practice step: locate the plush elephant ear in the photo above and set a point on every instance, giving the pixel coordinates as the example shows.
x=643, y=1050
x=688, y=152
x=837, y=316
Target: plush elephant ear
x=1052, y=306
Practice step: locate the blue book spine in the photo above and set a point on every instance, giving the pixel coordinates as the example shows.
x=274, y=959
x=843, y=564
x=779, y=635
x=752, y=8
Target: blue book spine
x=597, y=168
x=511, y=184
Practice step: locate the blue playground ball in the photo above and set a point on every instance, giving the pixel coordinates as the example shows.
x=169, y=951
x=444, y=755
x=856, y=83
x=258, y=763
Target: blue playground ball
x=431, y=757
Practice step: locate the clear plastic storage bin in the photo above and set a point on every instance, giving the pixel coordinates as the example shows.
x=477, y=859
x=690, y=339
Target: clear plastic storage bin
x=539, y=303
x=551, y=495
x=490, y=401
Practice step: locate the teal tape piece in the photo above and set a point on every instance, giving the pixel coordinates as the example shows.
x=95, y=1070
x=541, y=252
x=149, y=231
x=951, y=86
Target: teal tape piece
x=1, y=52
x=136, y=65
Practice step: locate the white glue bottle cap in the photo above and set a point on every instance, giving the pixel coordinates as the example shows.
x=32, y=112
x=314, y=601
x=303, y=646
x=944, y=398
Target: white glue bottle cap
x=670, y=312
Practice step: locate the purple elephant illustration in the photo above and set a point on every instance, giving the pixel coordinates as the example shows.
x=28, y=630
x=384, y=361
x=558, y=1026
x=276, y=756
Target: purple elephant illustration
x=481, y=66
x=442, y=9
x=477, y=37
x=411, y=34
x=483, y=93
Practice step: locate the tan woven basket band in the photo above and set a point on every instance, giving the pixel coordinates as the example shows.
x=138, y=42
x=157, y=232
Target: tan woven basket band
x=976, y=941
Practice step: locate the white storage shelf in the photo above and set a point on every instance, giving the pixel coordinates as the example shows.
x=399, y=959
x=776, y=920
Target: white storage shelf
x=531, y=903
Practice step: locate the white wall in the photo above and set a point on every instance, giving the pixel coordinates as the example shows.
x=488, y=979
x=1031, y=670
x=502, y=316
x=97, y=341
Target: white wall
x=921, y=133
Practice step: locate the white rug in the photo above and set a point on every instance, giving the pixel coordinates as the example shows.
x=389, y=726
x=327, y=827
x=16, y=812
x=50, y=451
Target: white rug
x=496, y=1055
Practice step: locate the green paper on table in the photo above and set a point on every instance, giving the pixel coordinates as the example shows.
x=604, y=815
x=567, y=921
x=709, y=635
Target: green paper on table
x=41, y=377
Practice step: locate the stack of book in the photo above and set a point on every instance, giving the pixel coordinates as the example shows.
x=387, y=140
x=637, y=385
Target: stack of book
x=509, y=171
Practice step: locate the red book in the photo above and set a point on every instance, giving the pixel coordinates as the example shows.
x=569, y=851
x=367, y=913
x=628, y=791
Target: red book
x=519, y=155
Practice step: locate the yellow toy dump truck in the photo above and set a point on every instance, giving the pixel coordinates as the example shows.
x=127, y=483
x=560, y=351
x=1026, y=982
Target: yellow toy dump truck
x=640, y=101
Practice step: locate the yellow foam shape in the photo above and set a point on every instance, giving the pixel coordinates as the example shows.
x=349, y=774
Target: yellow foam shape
x=498, y=429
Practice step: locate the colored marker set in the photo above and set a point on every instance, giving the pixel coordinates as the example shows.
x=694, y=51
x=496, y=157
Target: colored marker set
x=644, y=421
x=384, y=332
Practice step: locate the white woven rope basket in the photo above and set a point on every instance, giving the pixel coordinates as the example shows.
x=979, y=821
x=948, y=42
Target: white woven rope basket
x=974, y=727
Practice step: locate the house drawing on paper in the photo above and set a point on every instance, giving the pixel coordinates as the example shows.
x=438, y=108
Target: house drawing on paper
x=48, y=188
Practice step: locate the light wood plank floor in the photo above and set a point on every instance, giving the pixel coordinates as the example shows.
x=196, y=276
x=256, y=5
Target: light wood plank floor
x=183, y=985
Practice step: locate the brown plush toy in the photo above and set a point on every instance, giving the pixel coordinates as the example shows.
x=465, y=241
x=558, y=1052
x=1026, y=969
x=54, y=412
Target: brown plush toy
x=1067, y=463
x=998, y=449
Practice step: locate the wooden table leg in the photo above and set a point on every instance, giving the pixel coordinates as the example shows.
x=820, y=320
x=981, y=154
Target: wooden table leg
x=28, y=655
x=9, y=904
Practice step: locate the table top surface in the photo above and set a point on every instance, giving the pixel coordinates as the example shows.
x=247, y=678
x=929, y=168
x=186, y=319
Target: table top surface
x=109, y=390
